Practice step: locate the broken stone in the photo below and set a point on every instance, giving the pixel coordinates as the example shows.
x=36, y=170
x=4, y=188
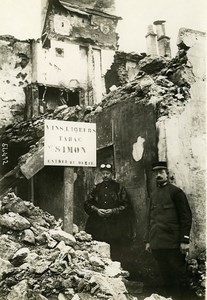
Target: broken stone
x=28, y=236
x=40, y=297
x=102, y=248
x=114, y=269
x=31, y=257
x=17, y=206
x=51, y=243
x=14, y=221
x=60, y=271
x=145, y=82
x=5, y=266
x=19, y=257
x=84, y=296
x=96, y=261
x=41, y=239
x=152, y=65
x=19, y=291
x=41, y=266
x=61, y=235
x=8, y=247
x=109, y=286
x=98, y=109
x=83, y=236
x=113, y=88
x=157, y=297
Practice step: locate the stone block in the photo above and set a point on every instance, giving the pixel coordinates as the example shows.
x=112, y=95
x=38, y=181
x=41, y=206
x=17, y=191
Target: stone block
x=19, y=291
x=42, y=265
x=28, y=236
x=96, y=261
x=101, y=248
x=14, y=221
x=5, y=266
x=83, y=236
x=152, y=65
x=8, y=247
x=19, y=256
x=113, y=287
x=17, y=206
x=60, y=235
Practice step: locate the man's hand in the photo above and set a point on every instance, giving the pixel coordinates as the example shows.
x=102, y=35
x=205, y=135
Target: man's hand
x=108, y=212
x=101, y=212
x=104, y=212
x=147, y=247
x=184, y=248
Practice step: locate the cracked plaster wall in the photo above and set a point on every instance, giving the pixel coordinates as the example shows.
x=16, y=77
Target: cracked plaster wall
x=86, y=68
x=15, y=74
x=182, y=138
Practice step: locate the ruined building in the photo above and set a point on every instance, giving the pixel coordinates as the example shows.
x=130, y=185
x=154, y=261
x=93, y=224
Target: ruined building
x=155, y=108
x=65, y=66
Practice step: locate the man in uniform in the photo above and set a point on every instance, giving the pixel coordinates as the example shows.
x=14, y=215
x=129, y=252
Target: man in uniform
x=167, y=238
x=107, y=206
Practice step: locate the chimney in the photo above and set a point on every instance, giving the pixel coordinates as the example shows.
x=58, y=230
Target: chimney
x=163, y=40
x=151, y=41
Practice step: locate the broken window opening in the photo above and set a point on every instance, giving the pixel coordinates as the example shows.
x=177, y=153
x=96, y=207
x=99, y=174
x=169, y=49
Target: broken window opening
x=46, y=43
x=59, y=52
x=51, y=97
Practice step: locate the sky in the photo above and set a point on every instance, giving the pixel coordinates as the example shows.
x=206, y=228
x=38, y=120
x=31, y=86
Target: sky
x=21, y=18
x=138, y=14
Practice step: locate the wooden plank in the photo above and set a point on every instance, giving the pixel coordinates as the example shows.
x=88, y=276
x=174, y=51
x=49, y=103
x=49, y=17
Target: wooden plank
x=9, y=180
x=69, y=178
x=33, y=164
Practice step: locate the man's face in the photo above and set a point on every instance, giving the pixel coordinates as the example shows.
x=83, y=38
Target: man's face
x=106, y=175
x=161, y=175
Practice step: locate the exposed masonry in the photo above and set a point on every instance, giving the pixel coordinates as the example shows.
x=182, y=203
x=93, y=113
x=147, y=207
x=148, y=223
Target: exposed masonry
x=15, y=74
x=159, y=82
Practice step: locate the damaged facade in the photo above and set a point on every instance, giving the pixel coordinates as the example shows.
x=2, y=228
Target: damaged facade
x=66, y=65
x=15, y=75
x=154, y=109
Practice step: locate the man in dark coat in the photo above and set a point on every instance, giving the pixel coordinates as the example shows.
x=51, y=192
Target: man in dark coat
x=107, y=206
x=167, y=238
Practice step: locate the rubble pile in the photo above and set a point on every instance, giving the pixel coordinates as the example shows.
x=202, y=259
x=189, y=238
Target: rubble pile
x=118, y=74
x=162, y=82
x=40, y=261
x=197, y=268
x=29, y=132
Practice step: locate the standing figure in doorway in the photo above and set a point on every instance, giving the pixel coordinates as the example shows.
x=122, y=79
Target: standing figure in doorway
x=107, y=206
x=168, y=231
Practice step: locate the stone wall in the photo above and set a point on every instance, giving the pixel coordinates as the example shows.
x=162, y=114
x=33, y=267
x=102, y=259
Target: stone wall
x=15, y=74
x=182, y=136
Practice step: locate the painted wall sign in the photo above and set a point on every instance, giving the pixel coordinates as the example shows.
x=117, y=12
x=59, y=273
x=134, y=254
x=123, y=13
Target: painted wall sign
x=70, y=143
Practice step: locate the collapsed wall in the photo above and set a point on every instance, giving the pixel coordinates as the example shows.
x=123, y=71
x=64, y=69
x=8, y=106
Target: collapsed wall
x=182, y=134
x=167, y=94
x=15, y=67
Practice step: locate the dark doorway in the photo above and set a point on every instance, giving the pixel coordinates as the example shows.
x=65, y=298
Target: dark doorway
x=53, y=97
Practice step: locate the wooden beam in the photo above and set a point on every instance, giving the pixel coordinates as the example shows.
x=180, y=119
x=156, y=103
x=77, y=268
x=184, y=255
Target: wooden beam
x=33, y=164
x=69, y=179
x=9, y=180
